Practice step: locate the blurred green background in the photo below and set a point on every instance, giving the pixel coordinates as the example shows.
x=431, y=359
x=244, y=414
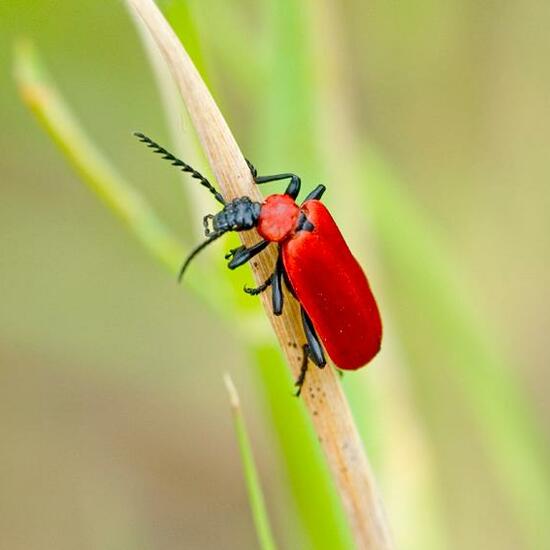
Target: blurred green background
x=115, y=427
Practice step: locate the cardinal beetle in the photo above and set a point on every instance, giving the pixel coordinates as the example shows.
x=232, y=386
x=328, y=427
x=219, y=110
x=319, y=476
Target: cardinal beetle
x=337, y=306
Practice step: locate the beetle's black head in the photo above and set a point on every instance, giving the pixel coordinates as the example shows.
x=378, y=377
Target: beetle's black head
x=237, y=215
x=240, y=214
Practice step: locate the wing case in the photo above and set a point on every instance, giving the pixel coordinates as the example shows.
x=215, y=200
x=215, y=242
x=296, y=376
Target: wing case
x=333, y=289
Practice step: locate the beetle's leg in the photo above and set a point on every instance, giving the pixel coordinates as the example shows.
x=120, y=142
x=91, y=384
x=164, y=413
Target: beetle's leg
x=315, y=349
x=252, y=169
x=312, y=350
x=293, y=188
x=276, y=281
x=233, y=251
x=242, y=254
x=316, y=194
x=259, y=289
x=277, y=291
x=303, y=370
x=288, y=284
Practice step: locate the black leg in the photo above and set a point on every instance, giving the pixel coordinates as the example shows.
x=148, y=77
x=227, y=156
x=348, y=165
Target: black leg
x=242, y=254
x=288, y=284
x=303, y=370
x=277, y=290
x=276, y=282
x=314, y=345
x=252, y=169
x=316, y=194
x=312, y=350
x=234, y=251
x=293, y=188
x=259, y=289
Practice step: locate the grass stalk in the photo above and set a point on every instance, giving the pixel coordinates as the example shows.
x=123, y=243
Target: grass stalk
x=406, y=462
x=323, y=524
x=323, y=395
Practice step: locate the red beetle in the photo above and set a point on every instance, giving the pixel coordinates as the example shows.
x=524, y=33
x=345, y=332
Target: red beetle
x=315, y=263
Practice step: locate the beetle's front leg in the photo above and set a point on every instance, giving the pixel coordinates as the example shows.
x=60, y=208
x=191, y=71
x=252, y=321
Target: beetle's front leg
x=241, y=255
x=234, y=251
x=293, y=188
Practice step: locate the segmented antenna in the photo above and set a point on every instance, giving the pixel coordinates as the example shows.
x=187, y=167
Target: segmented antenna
x=180, y=164
x=195, y=251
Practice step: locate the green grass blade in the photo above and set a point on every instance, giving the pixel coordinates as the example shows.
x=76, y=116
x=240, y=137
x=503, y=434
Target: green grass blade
x=315, y=499
x=255, y=493
x=428, y=281
x=41, y=96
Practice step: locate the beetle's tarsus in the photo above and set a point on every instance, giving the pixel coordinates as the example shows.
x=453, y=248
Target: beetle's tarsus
x=303, y=371
x=242, y=254
x=252, y=169
x=233, y=251
x=258, y=290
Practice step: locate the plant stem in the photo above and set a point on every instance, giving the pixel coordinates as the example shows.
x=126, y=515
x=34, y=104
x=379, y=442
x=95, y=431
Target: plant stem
x=322, y=393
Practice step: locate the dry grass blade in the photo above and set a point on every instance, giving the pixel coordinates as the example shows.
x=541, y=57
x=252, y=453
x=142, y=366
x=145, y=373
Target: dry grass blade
x=322, y=393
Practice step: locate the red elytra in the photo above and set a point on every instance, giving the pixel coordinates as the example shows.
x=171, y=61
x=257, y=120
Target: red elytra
x=337, y=305
x=333, y=289
x=326, y=278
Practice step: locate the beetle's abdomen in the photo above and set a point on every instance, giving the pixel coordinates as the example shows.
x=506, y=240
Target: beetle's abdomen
x=278, y=217
x=238, y=215
x=332, y=288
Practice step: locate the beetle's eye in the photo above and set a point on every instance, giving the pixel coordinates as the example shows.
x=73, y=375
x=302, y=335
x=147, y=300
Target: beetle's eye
x=208, y=226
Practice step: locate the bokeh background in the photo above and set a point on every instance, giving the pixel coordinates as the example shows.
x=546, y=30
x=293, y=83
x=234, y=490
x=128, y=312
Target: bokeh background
x=115, y=425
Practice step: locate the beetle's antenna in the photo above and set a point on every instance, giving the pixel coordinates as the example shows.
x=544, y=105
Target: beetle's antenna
x=204, y=244
x=180, y=164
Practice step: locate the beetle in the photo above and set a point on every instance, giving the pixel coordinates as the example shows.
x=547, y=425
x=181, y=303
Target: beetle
x=338, y=309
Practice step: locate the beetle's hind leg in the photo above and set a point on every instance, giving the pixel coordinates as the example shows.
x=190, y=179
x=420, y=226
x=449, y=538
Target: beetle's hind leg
x=259, y=289
x=312, y=350
x=303, y=370
x=314, y=345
